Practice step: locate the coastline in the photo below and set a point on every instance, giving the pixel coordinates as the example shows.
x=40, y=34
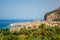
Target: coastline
x=35, y=24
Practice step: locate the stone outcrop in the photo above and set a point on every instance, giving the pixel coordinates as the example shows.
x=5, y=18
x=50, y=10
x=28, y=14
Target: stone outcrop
x=53, y=15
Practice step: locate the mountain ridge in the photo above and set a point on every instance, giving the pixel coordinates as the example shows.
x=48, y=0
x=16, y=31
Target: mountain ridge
x=53, y=15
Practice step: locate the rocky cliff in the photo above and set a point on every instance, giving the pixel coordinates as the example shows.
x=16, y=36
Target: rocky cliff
x=53, y=15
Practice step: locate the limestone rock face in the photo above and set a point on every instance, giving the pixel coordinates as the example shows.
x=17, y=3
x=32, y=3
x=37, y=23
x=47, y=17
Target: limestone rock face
x=53, y=15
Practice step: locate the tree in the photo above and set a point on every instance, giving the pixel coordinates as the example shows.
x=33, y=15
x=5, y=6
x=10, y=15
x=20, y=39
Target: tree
x=10, y=37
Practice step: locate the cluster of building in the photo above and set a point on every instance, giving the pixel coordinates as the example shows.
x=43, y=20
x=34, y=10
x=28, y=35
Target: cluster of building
x=34, y=24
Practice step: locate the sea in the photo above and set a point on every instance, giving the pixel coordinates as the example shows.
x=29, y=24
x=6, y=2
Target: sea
x=6, y=23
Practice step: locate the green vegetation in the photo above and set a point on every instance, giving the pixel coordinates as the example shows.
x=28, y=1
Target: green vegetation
x=43, y=32
x=56, y=20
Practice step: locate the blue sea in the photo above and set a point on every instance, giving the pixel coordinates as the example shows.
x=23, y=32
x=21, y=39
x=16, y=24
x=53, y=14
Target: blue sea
x=6, y=23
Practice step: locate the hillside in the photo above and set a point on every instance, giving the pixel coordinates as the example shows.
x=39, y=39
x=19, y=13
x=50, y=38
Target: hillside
x=53, y=15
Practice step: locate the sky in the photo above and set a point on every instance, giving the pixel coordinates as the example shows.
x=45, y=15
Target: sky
x=26, y=9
